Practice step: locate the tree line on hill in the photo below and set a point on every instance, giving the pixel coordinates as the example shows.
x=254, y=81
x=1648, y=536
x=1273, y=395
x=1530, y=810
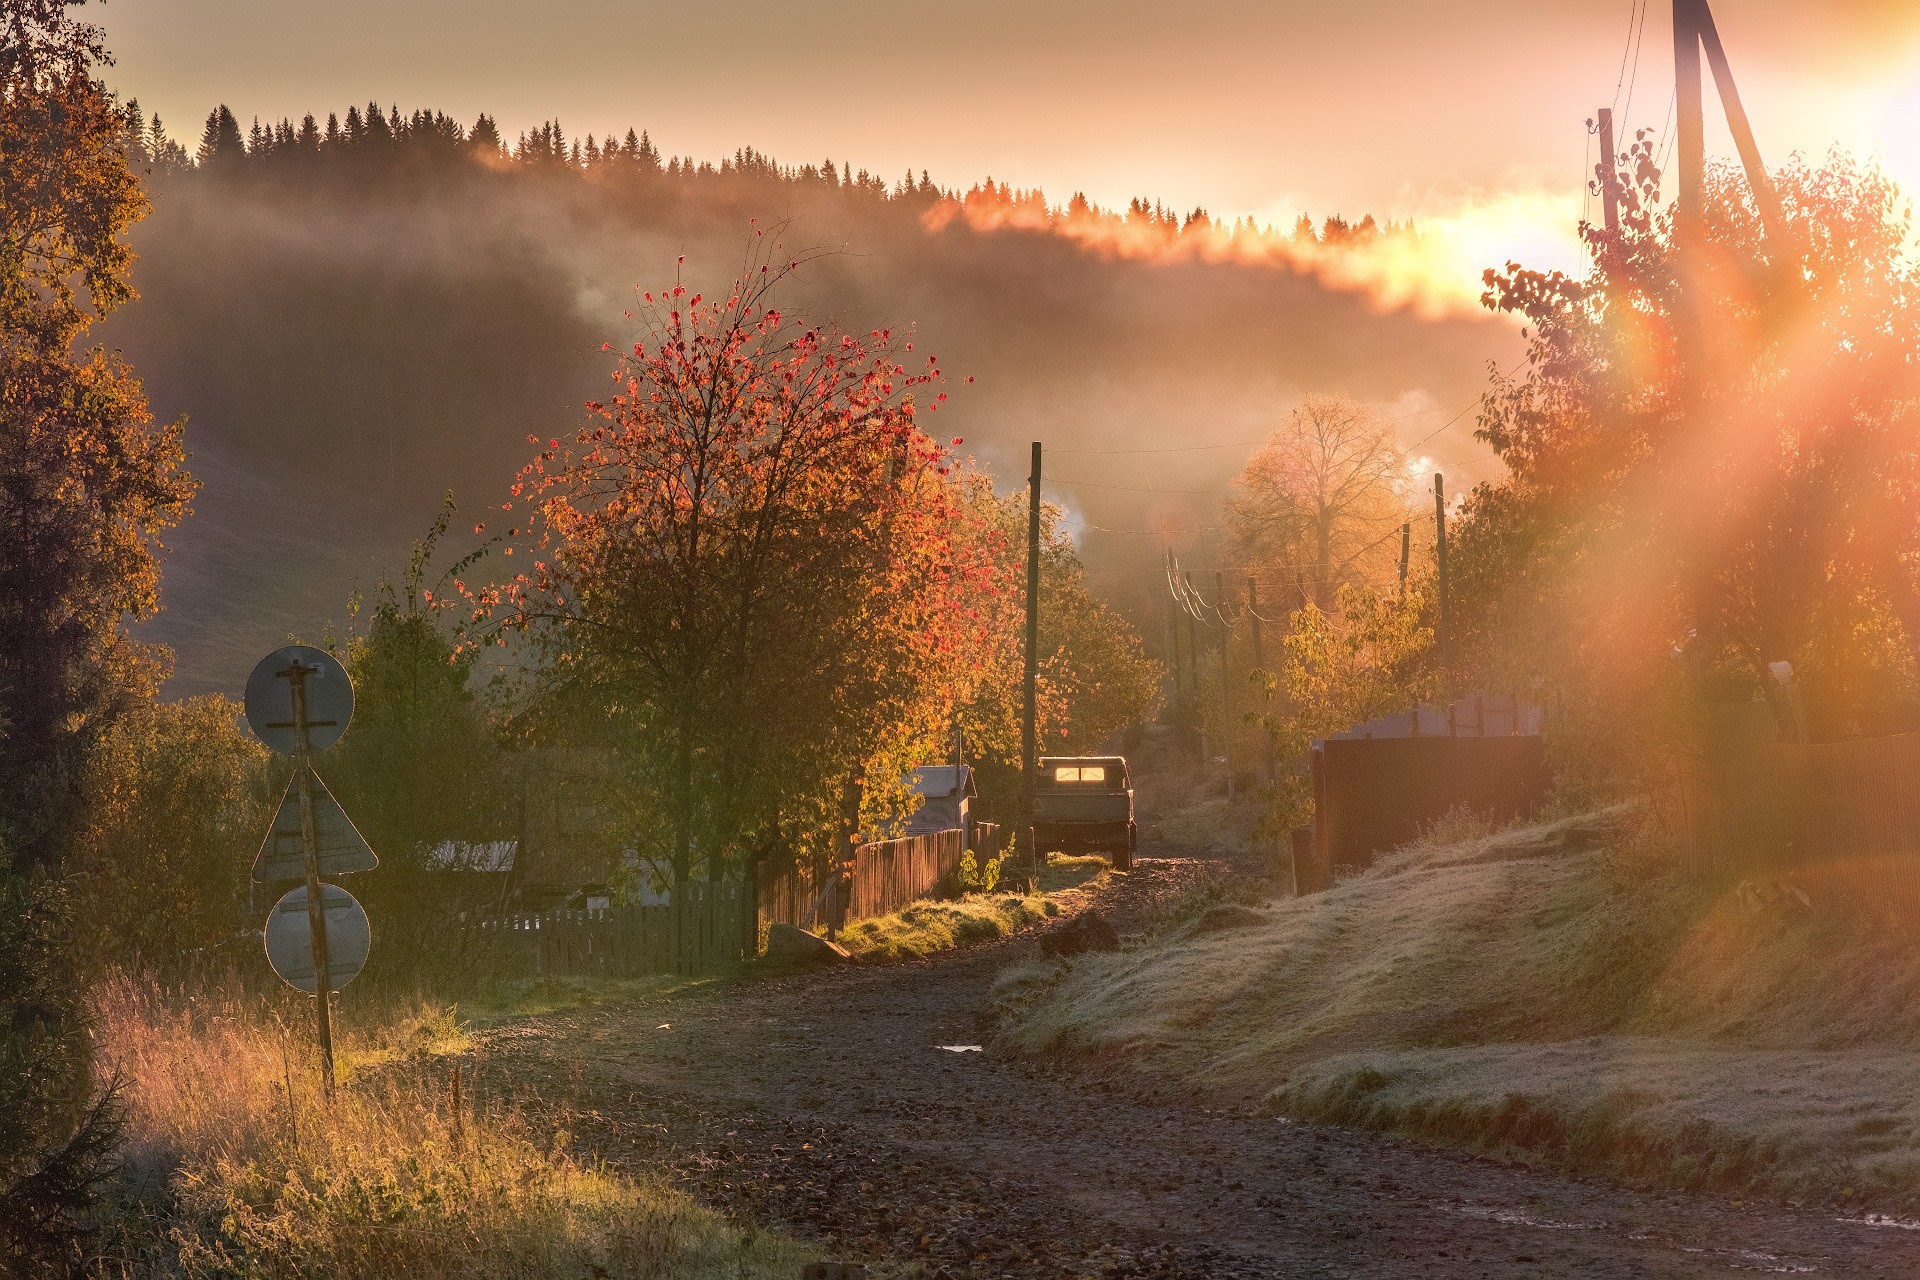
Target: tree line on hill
x=374, y=136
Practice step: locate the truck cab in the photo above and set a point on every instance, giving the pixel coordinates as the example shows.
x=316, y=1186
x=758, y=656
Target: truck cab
x=1084, y=804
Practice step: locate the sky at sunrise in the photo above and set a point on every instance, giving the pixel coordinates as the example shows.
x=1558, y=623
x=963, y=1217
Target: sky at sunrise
x=1468, y=117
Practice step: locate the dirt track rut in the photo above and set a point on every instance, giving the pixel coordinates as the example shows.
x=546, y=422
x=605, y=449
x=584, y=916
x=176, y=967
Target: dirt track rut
x=822, y=1103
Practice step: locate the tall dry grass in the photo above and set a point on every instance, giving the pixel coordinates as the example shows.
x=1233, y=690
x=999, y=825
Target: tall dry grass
x=238, y=1167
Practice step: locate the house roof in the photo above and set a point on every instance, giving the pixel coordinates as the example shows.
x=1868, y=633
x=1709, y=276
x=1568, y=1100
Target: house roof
x=466, y=855
x=1477, y=715
x=938, y=781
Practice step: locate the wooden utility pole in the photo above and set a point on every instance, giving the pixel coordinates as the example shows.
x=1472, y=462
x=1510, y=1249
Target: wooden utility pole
x=1443, y=639
x=1172, y=648
x=1609, y=193
x=1226, y=683
x=1193, y=668
x=1030, y=696
x=1260, y=664
x=296, y=675
x=1690, y=124
x=1406, y=549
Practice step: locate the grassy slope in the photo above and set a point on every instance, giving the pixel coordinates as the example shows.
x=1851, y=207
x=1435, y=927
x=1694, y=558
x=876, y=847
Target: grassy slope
x=1520, y=994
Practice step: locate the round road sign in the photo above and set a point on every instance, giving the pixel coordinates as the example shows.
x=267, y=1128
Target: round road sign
x=329, y=696
x=290, y=938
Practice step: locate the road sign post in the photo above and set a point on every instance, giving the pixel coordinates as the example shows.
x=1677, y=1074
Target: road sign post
x=299, y=701
x=295, y=674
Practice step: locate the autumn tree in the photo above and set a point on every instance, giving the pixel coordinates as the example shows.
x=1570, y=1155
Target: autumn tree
x=87, y=484
x=1094, y=678
x=741, y=572
x=1711, y=457
x=1316, y=505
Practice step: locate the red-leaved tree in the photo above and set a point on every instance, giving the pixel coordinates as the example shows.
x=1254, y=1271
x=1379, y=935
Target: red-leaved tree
x=744, y=572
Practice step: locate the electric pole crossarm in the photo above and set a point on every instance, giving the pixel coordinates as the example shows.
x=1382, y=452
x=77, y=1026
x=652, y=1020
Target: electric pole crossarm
x=1771, y=214
x=1693, y=28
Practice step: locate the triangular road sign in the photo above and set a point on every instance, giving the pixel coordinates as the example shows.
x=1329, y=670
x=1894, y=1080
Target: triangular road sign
x=342, y=848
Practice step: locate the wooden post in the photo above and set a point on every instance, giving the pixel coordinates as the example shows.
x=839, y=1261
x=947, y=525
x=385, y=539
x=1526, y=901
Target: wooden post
x=1030, y=687
x=1193, y=672
x=1260, y=664
x=1609, y=194
x=1226, y=683
x=1443, y=639
x=1772, y=216
x=296, y=675
x=1406, y=548
x=455, y=1112
x=1691, y=152
x=1172, y=647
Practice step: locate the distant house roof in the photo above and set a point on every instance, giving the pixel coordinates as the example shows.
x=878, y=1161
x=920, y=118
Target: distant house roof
x=1478, y=715
x=942, y=781
x=469, y=855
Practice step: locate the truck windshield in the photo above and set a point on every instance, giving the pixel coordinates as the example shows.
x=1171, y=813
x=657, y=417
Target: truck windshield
x=1080, y=773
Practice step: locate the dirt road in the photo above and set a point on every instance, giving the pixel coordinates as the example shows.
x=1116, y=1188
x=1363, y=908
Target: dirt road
x=823, y=1103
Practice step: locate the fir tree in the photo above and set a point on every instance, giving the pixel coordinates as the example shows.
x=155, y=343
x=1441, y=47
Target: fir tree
x=220, y=141
x=484, y=137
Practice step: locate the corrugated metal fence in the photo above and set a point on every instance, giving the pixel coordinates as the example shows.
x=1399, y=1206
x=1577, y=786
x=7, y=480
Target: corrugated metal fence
x=880, y=877
x=1842, y=817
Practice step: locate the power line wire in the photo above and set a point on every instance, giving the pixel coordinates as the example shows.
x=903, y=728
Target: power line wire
x=1639, y=42
x=1621, y=77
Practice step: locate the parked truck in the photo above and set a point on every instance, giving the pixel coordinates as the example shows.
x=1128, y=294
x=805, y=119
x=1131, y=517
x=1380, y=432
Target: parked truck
x=1084, y=804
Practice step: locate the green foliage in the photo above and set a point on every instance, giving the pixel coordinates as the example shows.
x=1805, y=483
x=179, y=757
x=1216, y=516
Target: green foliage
x=977, y=876
x=421, y=764
x=1372, y=655
x=178, y=797
x=927, y=927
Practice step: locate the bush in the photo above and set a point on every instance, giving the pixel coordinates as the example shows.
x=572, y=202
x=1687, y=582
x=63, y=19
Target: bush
x=179, y=798
x=977, y=876
x=56, y=1133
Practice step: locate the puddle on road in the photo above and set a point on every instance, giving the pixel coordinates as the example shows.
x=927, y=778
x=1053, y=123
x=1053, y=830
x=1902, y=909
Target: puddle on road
x=1750, y=1260
x=1732, y=1259
x=1514, y=1218
x=1882, y=1220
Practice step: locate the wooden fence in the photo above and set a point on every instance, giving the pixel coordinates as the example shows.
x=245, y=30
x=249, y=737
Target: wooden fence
x=880, y=877
x=710, y=926
x=704, y=928
x=1841, y=818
